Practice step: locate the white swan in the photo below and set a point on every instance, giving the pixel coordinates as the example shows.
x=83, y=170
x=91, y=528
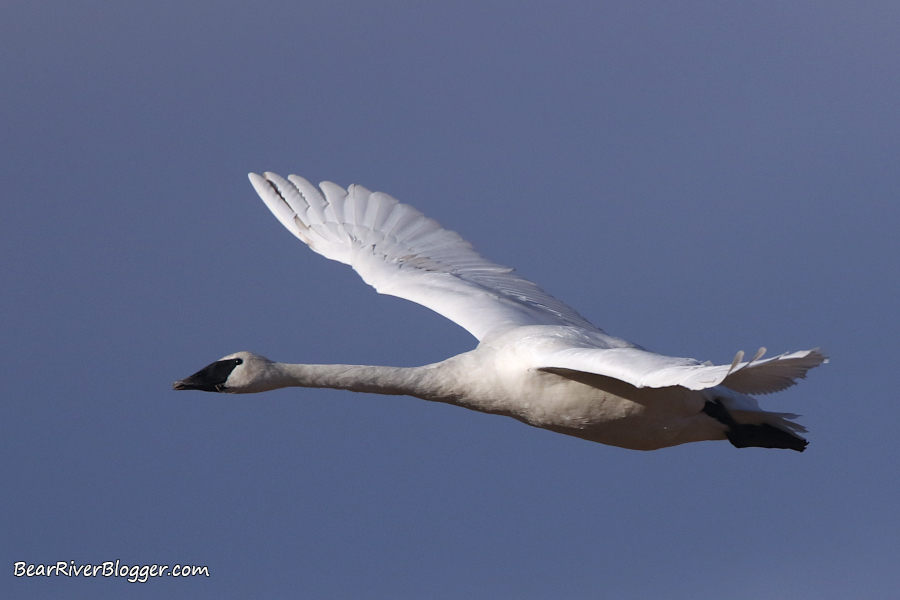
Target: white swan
x=538, y=360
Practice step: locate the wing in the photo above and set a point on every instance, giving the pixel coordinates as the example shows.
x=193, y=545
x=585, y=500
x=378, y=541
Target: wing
x=641, y=368
x=401, y=252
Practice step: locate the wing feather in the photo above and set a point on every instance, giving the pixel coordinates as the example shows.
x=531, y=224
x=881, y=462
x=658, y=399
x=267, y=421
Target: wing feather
x=401, y=252
x=774, y=374
x=642, y=368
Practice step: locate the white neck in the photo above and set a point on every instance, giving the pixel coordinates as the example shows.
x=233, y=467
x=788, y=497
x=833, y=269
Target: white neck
x=429, y=382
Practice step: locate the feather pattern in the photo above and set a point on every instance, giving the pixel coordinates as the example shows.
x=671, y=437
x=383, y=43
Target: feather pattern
x=401, y=252
x=642, y=368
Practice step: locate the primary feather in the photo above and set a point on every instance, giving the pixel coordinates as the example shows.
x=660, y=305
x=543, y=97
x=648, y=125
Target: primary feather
x=401, y=252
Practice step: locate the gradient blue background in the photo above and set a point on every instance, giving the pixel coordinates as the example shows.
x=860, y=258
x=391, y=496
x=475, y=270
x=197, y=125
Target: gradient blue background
x=697, y=177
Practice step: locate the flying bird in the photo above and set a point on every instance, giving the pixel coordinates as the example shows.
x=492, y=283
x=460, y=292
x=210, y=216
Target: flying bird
x=537, y=359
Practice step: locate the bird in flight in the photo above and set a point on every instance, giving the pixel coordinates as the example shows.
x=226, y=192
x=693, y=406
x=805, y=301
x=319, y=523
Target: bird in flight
x=537, y=359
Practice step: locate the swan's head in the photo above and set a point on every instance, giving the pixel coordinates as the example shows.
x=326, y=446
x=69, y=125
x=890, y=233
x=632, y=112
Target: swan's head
x=238, y=373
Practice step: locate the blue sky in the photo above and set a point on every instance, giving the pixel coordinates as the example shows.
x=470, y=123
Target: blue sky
x=697, y=177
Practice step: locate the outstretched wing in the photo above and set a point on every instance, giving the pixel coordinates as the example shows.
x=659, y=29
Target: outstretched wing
x=401, y=252
x=641, y=368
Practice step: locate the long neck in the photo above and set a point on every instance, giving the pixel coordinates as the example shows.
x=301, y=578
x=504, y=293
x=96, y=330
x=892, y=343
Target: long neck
x=429, y=382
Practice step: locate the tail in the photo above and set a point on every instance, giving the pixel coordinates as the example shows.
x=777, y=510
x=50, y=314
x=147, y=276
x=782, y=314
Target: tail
x=757, y=435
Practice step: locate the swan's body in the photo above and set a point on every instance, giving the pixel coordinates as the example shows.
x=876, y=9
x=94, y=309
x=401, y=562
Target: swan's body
x=538, y=360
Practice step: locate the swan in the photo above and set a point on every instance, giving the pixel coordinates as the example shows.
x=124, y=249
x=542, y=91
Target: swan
x=537, y=359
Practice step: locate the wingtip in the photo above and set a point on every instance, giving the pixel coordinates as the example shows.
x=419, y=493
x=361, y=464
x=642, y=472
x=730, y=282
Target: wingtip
x=822, y=355
x=815, y=356
x=260, y=184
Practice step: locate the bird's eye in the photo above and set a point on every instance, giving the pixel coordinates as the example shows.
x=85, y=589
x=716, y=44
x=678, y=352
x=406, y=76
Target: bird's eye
x=238, y=361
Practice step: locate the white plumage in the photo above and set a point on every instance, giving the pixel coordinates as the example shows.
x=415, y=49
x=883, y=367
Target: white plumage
x=538, y=360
